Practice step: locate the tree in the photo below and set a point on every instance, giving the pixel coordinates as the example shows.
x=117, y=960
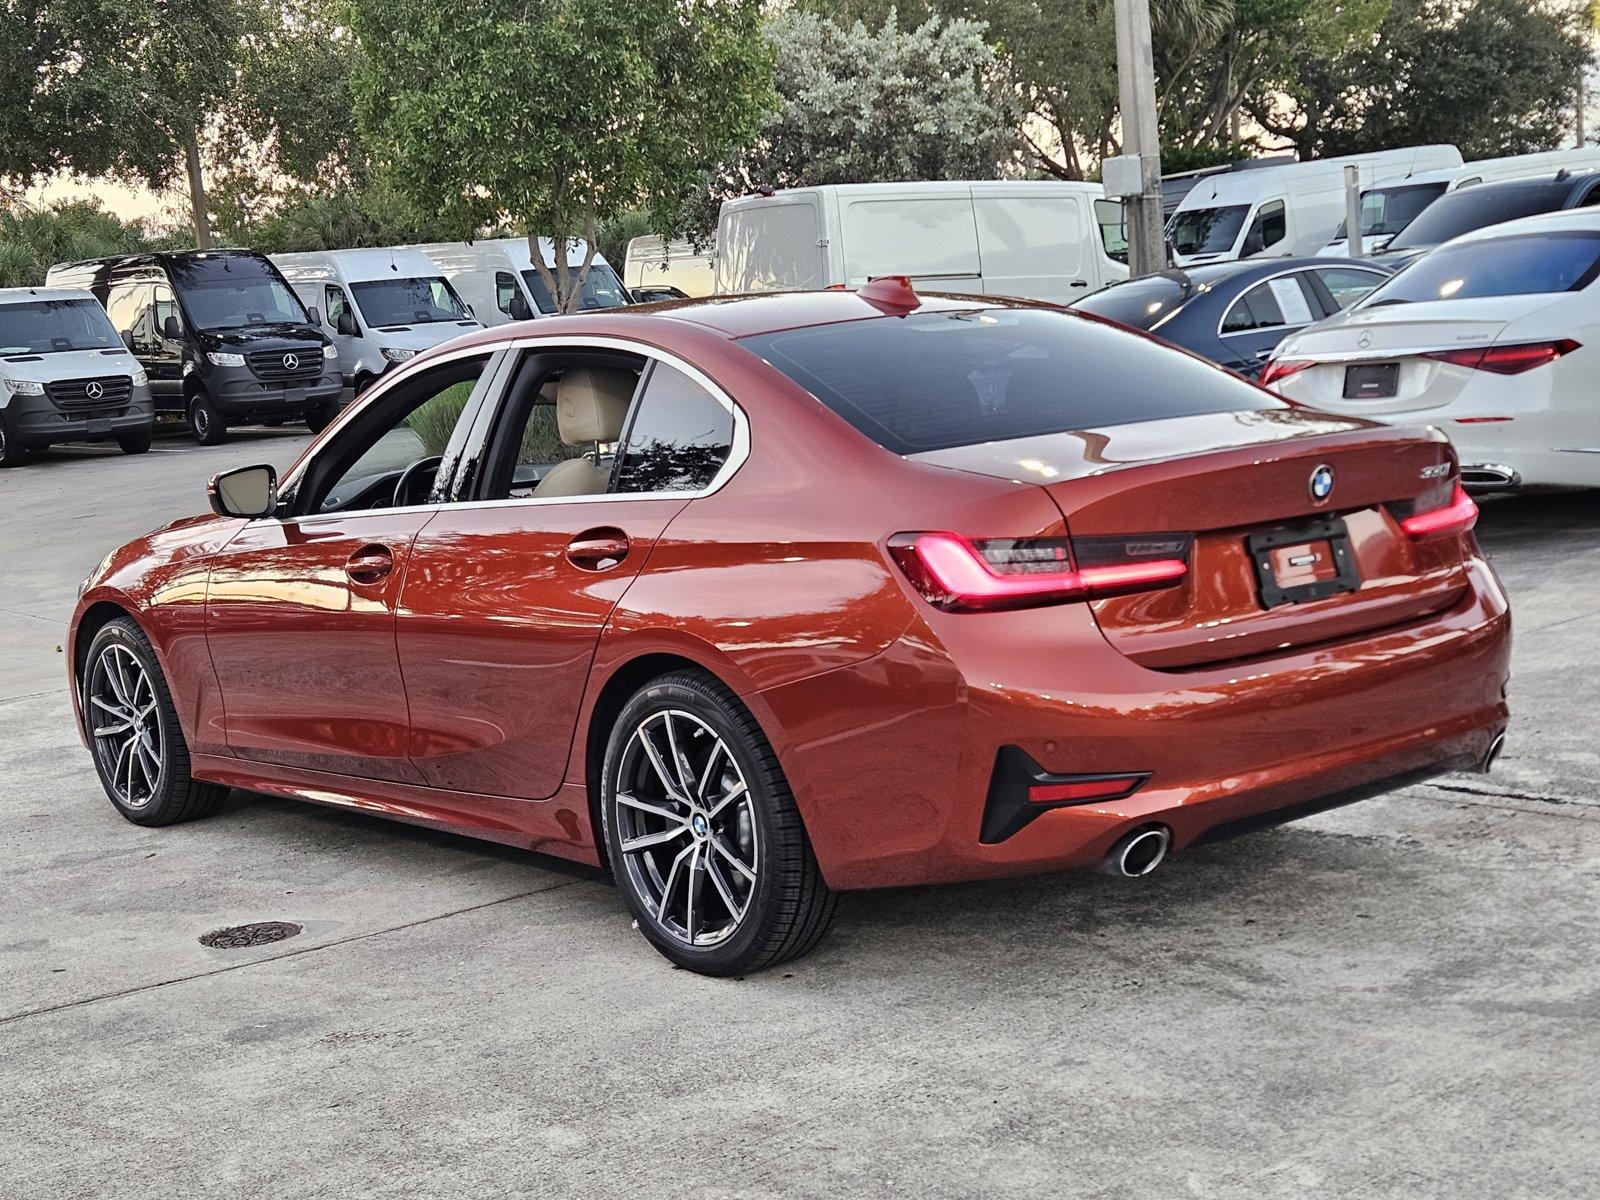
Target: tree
x=560, y=115
x=1493, y=77
x=32, y=240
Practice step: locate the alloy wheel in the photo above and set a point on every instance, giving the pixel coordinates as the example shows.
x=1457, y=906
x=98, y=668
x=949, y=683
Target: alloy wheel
x=124, y=717
x=686, y=826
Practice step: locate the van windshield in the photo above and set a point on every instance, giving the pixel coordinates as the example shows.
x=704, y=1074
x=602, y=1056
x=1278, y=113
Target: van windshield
x=234, y=291
x=602, y=289
x=388, y=303
x=1389, y=210
x=55, y=327
x=1208, y=230
x=1471, y=208
x=930, y=381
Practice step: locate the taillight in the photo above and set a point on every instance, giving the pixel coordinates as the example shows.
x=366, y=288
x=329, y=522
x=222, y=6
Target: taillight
x=961, y=574
x=1449, y=520
x=1506, y=360
x=1282, y=368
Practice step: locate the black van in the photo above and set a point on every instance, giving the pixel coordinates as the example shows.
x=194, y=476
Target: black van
x=221, y=335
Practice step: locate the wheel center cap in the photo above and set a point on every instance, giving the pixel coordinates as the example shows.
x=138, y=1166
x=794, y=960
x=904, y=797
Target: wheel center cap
x=700, y=825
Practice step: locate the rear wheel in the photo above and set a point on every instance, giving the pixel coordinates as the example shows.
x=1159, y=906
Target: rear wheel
x=138, y=746
x=210, y=427
x=135, y=443
x=320, y=417
x=705, y=841
x=12, y=453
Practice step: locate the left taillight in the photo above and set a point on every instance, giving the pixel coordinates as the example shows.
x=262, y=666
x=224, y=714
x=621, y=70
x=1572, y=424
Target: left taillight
x=1282, y=368
x=1507, y=360
x=961, y=574
x=1450, y=519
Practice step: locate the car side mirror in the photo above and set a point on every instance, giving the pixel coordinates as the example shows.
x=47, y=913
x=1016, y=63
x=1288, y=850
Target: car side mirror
x=247, y=492
x=520, y=310
x=171, y=329
x=346, y=324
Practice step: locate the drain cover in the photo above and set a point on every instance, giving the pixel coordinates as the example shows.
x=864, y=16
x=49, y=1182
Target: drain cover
x=239, y=937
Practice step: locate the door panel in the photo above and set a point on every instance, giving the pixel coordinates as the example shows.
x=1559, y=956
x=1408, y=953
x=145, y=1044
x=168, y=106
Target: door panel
x=1035, y=246
x=301, y=625
x=498, y=622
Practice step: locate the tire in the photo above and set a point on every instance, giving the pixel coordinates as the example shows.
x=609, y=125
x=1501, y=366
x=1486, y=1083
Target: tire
x=320, y=417
x=741, y=924
x=272, y=422
x=210, y=427
x=122, y=677
x=12, y=452
x=135, y=443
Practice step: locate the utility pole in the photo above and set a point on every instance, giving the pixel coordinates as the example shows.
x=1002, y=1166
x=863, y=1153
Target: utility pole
x=1141, y=135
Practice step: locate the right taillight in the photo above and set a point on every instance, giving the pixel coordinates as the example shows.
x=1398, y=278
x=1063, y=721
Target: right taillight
x=1450, y=519
x=1282, y=368
x=961, y=574
x=1507, y=360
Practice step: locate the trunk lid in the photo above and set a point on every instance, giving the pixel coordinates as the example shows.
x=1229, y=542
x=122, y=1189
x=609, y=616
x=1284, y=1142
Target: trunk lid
x=1235, y=490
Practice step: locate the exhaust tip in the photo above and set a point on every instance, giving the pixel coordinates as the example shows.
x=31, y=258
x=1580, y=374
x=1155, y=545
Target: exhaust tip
x=1493, y=753
x=1140, y=853
x=1489, y=477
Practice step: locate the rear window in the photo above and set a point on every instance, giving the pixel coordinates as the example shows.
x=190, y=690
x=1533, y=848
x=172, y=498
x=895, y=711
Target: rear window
x=1558, y=261
x=1139, y=302
x=1467, y=209
x=935, y=380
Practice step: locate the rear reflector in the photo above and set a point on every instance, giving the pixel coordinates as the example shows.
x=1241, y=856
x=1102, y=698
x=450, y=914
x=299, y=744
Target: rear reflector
x=1089, y=787
x=959, y=574
x=1480, y=420
x=1282, y=368
x=1456, y=517
x=1507, y=360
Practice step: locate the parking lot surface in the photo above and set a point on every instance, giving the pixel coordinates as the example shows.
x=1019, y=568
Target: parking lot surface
x=1396, y=999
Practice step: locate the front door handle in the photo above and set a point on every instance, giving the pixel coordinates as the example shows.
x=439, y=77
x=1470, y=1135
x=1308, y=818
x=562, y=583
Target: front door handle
x=598, y=549
x=370, y=564
x=1079, y=283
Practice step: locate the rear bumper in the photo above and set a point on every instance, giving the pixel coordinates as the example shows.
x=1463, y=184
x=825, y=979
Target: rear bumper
x=893, y=779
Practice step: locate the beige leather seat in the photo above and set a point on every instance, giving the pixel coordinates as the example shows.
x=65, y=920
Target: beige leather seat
x=591, y=403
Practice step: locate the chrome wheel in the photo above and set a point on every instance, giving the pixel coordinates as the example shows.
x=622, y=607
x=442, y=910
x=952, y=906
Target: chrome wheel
x=686, y=827
x=124, y=717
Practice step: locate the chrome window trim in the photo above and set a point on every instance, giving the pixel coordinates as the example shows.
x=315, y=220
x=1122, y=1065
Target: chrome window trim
x=736, y=456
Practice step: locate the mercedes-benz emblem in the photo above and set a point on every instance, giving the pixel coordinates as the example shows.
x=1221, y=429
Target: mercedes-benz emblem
x=1320, y=485
x=94, y=390
x=1363, y=340
x=291, y=362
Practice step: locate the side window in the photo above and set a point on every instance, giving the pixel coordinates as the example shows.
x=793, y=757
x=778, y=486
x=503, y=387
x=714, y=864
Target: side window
x=1347, y=285
x=678, y=439
x=398, y=440
x=1271, y=226
x=334, y=305
x=1113, y=222
x=1256, y=309
x=505, y=291
x=1591, y=197
x=167, y=321
x=124, y=303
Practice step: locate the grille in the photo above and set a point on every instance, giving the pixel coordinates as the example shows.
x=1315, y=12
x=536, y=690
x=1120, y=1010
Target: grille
x=101, y=392
x=269, y=366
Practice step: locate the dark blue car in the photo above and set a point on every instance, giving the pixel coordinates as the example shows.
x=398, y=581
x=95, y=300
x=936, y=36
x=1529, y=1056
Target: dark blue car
x=1235, y=313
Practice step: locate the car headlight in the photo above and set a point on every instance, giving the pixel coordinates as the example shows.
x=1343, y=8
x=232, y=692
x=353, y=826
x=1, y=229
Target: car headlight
x=221, y=358
x=394, y=355
x=330, y=351
x=140, y=377
x=23, y=387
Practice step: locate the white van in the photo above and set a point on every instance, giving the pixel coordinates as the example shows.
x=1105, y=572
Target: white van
x=656, y=269
x=378, y=307
x=1386, y=210
x=1281, y=212
x=1040, y=240
x=497, y=277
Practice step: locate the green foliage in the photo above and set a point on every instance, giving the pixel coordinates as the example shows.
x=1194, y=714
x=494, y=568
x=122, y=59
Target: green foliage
x=1492, y=76
x=341, y=219
x=32, y=240
x=557, y=116
x=435, y=419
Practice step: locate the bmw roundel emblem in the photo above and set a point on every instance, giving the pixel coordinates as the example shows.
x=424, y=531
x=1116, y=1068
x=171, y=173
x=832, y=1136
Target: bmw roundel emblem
x=291, y=362
x=1320, y=485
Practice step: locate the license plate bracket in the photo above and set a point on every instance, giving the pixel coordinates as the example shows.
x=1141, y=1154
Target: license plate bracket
x=1310, y=560
x=1371, y=381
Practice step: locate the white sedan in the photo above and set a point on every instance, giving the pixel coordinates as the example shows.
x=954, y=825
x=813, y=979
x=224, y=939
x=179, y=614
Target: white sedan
x=1493, y=337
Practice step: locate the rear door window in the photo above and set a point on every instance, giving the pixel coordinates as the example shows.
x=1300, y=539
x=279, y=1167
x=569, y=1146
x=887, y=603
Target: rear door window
x=935, y=380
x=678, y=439
x=1558, y=261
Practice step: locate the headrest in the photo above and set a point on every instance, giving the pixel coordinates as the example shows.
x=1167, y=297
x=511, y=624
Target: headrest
x=591, y=403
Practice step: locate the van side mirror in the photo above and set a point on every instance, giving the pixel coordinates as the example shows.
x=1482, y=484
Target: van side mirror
x=314, y=315
x=127, y=339
x=171, y=327
x=346, y=324
x=519, y=308
x=247, y=492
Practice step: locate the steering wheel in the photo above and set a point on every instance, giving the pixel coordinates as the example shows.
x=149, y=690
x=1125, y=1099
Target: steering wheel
x=408, y=479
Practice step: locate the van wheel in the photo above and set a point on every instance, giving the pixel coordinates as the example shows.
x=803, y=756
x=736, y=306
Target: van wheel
x=12, y=453
x=320, y=417
x=135, y=443
x=210, y=428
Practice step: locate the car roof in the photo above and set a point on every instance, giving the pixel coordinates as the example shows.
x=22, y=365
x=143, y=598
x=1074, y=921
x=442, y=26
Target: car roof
x=25, y=295
x=1557, y=183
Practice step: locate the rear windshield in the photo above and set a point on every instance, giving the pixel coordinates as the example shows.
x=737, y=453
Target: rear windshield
x=55, y=327
x=602, y=289
x=1474, y=207
x=1207, y=230
x=1139, y=302
x=1558, y=261
x=421, y=301
x=1389, y=210
x=934, y=380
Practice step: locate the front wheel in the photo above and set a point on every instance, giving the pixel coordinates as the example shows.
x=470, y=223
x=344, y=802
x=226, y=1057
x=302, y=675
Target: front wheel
x=320, y=417
x=704, y=838
x=135, y=443
x=139, y=751
x=210, y=427
x=12, y=453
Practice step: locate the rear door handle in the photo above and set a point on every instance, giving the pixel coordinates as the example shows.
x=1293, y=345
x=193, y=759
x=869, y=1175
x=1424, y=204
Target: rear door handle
x=598, y=549
x=370, y=564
